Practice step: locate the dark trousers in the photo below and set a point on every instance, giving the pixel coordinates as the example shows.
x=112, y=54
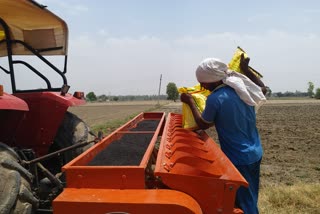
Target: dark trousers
x=247, y=198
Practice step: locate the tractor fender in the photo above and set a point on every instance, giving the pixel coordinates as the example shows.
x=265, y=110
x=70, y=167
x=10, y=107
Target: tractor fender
x=66, y=100
x=10, y=102
x=46, y=113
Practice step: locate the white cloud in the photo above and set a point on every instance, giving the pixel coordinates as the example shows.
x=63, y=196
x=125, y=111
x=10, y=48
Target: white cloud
x=119, y=66
x=258, y=18
x=103, y=32
x=124, y=65
x=103, y=63
x=314, y=11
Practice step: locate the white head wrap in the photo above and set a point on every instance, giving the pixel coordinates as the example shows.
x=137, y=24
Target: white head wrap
x=213, y=70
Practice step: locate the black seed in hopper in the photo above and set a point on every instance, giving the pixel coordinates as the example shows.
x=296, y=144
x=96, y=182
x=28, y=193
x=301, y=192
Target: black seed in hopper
x=146, y=125
x=126, y=151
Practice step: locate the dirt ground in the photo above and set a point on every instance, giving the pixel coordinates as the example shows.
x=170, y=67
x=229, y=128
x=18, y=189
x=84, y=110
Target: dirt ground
x=98, y=113
x=290, y=134
x=289, y=130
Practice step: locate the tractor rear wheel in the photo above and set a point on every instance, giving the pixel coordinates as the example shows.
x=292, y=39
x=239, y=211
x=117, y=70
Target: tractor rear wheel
x=72, y=131
x=15, y=184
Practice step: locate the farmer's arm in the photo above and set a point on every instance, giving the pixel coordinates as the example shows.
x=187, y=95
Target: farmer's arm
x=244, y=64
x=202, y=124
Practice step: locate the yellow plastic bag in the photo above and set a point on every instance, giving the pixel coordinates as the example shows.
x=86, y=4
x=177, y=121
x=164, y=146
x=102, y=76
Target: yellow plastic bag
x=2, y=35
x=199, y=96
x=234, y=64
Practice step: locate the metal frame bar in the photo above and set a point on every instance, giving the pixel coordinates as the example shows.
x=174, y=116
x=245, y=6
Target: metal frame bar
x=9, y=51
x=9, y=42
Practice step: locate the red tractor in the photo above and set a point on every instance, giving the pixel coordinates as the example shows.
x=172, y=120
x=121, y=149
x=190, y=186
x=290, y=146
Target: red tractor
x=37, y=133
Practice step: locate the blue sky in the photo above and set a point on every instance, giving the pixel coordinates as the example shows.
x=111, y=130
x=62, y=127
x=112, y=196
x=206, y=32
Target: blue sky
x=121, y=47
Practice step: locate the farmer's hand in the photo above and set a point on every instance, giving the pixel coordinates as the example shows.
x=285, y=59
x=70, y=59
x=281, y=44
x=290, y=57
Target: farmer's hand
x=186, y=98
x=244, y=63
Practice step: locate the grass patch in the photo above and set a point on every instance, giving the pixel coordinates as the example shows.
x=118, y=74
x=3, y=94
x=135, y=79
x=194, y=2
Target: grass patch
x=112, y=125
x=298, y=198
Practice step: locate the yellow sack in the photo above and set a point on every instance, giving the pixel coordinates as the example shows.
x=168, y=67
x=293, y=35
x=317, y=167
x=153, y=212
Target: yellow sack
x=199, y=96
x=2, y=35
x=234, y=64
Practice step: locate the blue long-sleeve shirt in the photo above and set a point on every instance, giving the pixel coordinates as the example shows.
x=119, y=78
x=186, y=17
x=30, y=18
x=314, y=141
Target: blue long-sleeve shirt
x=235, y=122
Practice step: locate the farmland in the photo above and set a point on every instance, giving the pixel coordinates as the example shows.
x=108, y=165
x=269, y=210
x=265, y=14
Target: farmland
x=289, y=131
x=290, y=134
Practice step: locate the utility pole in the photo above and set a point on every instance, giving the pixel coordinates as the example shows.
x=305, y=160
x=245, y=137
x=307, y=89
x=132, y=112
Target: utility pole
x=159, y=89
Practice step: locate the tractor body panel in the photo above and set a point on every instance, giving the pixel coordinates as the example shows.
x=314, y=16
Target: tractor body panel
x=12, y=112
x=10, y=102
x=40, y=124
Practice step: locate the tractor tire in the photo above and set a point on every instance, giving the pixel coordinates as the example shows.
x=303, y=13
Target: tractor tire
x=71, y=131
x=15, y=184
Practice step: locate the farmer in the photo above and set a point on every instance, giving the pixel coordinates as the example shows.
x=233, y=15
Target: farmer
x=231, y=108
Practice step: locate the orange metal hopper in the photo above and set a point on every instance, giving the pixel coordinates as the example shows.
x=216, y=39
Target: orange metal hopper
x=99, y=168
x=191, y=175
x=99, y=184
x=193, y=163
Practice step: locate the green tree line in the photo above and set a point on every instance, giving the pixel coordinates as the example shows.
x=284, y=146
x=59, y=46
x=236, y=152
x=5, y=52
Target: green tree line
x=91, y=97
x=173, y=94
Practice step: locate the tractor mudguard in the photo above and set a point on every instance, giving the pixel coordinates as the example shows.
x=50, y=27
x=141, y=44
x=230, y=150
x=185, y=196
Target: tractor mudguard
x=41, y=122
x=10, y=102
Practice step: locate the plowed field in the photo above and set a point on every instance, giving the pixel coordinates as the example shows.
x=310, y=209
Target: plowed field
x=289, y=130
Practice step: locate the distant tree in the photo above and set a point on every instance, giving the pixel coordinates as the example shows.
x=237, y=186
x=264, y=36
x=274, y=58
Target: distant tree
x=310, y=89
x=102, y=98
x=91, y=96
x=278, y=94
x=269, y=92
x=172, y=91
x=115, y=98
x=317, y=95
x=288, y=94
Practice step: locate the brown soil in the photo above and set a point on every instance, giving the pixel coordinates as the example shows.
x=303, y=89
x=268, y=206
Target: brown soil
x=290, y=134
x=99, y=113
x=289, y=130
